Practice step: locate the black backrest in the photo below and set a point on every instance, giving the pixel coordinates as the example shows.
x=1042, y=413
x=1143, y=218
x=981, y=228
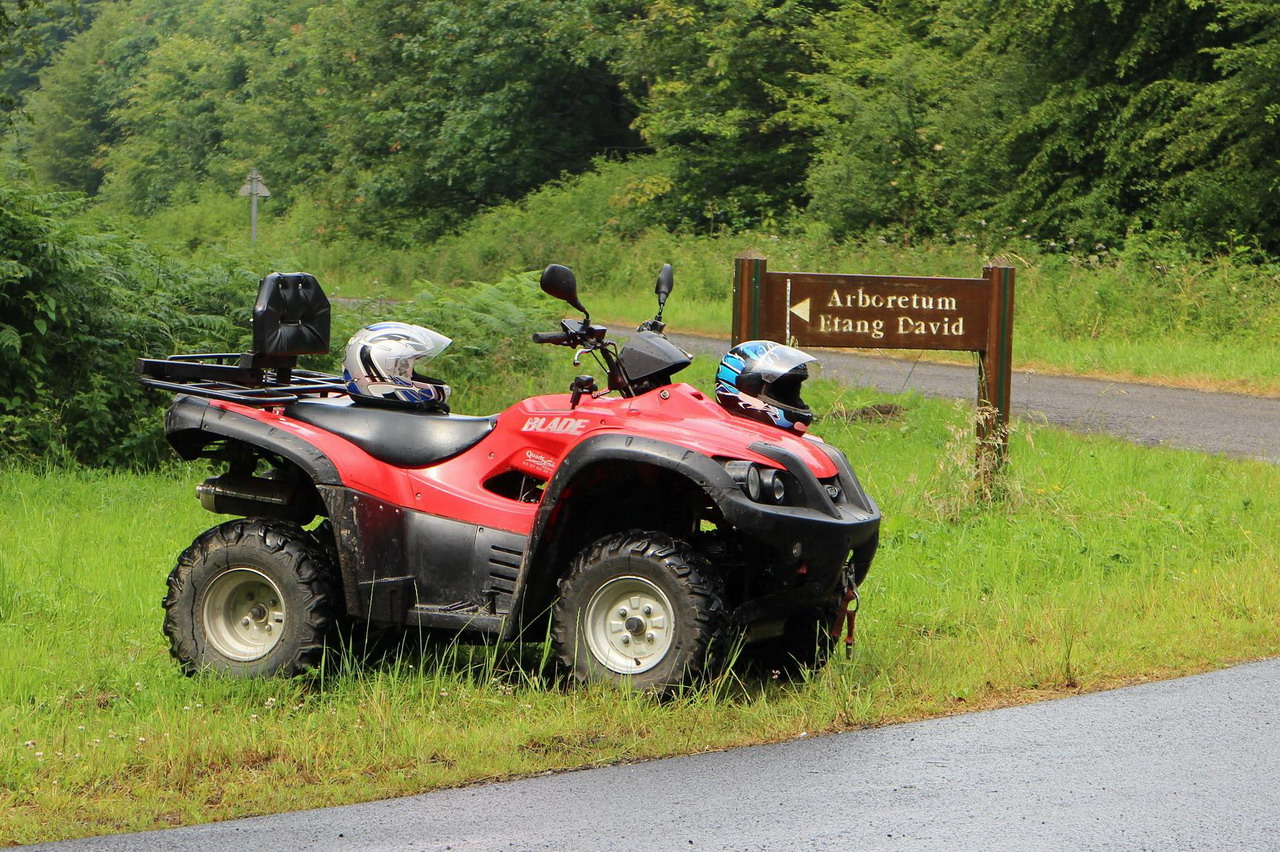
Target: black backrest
x=290, y=318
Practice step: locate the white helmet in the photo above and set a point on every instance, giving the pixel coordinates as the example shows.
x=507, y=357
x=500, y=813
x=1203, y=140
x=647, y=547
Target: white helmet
x=380, y=360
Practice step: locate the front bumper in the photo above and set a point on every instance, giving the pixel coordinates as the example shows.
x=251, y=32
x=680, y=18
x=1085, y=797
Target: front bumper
x=809, y=552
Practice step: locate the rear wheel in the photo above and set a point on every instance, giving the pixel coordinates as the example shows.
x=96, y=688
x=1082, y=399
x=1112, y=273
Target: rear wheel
x=639, y=608
x=251, y=598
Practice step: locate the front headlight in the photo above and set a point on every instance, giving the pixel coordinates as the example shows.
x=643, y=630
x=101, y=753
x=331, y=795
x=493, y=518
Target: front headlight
x=773, y=485
x=761, y=484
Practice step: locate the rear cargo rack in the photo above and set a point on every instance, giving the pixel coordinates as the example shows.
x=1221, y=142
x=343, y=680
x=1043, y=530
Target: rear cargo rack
x=225, y=376
x=290, y=318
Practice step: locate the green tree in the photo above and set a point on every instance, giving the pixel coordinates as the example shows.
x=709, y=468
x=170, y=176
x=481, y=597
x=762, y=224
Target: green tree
x=164, y=99
x=712, y=80
x=1093, y=76
x=1084, y=119
x=886, y=111
x=19, y=20
x=72, y=111
x=1221, y=149
x=173, y=123
x=30, y=35
x=434, y=110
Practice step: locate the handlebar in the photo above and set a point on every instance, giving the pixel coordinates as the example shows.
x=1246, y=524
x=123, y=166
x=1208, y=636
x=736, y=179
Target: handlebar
x=652, y=356
x=576, y=334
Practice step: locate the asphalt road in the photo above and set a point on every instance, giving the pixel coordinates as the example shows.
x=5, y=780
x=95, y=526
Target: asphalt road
x=1231, y=424
x=1183, y=764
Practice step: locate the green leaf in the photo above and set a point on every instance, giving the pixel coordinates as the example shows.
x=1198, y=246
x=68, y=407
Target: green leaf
x=10, y=340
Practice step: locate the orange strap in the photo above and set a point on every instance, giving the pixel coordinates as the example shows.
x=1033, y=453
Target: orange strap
x=849, y=616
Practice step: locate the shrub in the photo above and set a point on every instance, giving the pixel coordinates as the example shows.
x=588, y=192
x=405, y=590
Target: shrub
x=78, y=306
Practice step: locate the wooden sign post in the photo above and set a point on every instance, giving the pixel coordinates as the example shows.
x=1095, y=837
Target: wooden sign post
x=811, y=309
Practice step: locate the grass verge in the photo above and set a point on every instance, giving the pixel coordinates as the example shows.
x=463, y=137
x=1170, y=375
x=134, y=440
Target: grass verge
x=1102, y=564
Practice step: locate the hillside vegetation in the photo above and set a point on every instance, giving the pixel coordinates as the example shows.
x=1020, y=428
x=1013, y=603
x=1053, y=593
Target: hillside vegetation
x=1121, y=152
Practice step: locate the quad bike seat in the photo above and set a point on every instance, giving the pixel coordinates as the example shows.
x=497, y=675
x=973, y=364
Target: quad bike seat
x=395, y=436
x=290, y=318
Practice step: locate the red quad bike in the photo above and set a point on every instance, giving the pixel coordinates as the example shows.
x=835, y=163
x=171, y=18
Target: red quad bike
x=644, y=528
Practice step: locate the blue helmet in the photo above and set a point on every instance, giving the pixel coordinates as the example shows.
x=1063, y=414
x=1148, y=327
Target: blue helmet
x=761, y=379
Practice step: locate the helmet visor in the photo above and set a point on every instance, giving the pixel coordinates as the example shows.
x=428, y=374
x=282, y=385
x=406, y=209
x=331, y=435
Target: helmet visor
x=779, y=361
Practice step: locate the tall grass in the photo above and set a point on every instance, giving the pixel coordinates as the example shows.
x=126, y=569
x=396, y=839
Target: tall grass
x=1103, y=564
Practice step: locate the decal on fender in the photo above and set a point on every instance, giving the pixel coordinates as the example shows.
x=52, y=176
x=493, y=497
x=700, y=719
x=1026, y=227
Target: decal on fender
x=562, y=425
x=535, y=462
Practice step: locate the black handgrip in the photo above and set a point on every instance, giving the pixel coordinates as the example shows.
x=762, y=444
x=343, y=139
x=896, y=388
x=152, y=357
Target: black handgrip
x=551, y=337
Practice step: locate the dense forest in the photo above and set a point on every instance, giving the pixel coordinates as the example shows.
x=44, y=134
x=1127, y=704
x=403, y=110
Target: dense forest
x=453, y=142
x=1069, y=121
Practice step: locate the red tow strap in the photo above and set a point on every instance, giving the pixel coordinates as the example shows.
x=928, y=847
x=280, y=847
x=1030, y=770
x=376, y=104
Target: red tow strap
x=849, y=615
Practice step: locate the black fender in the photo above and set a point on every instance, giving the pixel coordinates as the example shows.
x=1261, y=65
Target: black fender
x=533, y=591
x=192, y=423
x=612, y=447
x=836, y=529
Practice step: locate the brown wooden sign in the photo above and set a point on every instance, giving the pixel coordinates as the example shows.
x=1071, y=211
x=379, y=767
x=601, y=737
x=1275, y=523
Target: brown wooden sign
x=811, y=309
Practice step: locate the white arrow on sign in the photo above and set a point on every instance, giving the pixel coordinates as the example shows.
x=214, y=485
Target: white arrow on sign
x=801, y=310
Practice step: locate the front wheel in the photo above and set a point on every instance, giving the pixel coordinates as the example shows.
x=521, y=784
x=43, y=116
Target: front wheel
x=639, y=608
x=251, y=598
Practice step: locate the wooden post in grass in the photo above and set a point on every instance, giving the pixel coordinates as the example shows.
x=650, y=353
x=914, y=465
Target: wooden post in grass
x=995, y=373
x=749, y=271
x=816, y=310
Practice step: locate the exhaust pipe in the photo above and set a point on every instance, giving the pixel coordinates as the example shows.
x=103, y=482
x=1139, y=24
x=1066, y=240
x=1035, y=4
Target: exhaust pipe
x=238, y=494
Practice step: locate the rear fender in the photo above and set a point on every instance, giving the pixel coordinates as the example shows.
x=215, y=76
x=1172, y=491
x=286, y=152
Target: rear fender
x=192, y=423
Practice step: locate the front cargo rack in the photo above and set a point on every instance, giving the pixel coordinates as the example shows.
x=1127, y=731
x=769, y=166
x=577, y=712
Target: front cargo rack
x=236, y=377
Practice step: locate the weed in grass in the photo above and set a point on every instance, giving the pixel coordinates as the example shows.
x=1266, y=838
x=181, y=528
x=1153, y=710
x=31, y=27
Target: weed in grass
x=970, y=473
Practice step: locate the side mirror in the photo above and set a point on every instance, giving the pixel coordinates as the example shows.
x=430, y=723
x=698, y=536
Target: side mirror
x=666, y=280
x=559, y=281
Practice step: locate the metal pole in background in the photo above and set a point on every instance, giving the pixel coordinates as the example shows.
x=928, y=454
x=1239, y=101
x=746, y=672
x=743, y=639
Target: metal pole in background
x=254, y=187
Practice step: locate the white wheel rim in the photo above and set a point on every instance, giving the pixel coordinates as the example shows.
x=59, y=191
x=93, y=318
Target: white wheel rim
x=244, y=614
x=629, y=625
